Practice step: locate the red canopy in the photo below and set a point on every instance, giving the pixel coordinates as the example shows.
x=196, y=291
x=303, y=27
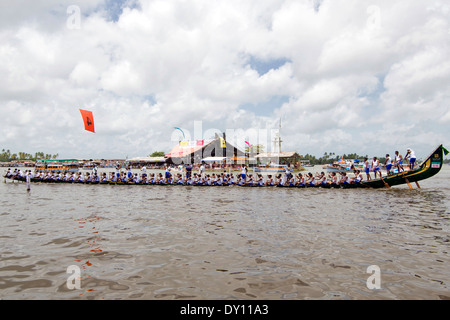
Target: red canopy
x=181, y=151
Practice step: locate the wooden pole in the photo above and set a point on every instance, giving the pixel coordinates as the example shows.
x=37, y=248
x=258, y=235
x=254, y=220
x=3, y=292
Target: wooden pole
x=387, y=185
x=28, y=179
x=407, y=181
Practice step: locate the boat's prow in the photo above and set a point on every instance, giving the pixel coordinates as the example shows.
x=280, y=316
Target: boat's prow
x=428, y=168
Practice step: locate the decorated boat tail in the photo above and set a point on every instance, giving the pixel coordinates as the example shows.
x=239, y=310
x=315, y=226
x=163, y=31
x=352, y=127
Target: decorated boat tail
x=427, y=169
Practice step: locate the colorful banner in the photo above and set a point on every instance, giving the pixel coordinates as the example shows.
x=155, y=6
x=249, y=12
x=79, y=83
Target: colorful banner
x=88, y=119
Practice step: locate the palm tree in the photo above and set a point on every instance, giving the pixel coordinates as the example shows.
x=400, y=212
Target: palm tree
x=157, y=154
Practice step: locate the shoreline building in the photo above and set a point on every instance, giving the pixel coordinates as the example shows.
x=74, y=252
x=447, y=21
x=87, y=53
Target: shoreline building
x=198, y=151
x=277, y=156
x=150, y=162
x=280, y=158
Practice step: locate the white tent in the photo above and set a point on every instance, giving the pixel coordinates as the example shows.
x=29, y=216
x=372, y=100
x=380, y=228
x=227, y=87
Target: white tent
x=213, y=159
x=148, y=159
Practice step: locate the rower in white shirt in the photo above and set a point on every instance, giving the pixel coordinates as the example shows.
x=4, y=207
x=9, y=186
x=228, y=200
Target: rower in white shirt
x=412, y=158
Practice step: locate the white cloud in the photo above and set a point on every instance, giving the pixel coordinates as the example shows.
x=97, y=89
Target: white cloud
x=420, y=77
x=85, y=74
x=445, y=119
x=122, y=79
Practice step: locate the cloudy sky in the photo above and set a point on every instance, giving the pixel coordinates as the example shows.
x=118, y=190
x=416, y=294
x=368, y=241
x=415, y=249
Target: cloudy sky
x=343, y=76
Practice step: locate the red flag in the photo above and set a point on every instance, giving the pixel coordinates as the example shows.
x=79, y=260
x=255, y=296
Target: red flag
x=88, y=119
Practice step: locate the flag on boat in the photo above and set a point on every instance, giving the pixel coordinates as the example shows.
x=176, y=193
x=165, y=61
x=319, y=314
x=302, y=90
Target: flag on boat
x=445, y=150
x=88, y=119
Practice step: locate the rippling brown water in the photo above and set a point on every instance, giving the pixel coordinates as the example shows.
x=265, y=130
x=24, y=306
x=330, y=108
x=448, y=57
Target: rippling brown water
x=172, y=242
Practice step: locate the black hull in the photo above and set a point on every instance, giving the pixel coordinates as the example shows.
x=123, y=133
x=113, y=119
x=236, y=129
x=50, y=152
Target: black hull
x=111, y=183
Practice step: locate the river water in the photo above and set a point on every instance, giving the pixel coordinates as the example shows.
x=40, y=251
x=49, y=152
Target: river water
x=175, y=242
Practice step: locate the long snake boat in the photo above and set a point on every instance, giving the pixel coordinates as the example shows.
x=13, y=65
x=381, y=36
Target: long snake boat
x=428, y=168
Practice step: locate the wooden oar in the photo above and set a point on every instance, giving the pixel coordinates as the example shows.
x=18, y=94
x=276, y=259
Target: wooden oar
x=407, y=181
x=386, y=184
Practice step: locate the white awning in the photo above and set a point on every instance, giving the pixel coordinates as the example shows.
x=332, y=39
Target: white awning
x=213, y=159
x=148, y=159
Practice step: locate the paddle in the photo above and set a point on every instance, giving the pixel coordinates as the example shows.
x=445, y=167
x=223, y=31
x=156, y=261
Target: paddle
x=386, y=184
x=407, y=181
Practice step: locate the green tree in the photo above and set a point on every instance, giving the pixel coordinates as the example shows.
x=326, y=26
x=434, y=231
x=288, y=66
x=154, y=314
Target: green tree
x=39, y=155
x=5, y=155
x=25, y=156
x=157, y=154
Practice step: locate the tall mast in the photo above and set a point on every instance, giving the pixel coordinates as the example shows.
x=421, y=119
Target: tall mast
x=277, y=140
